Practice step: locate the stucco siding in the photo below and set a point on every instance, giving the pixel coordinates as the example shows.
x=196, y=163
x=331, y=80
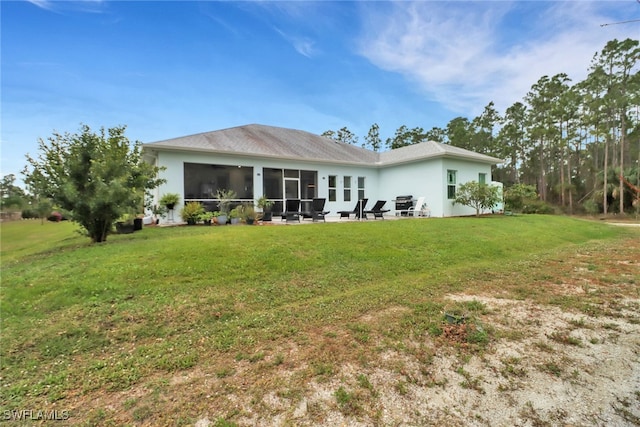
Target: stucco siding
x=465, y=172
x=416, y=179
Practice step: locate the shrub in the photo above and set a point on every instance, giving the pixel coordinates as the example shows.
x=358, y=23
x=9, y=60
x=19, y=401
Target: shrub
x=519, y=195
x=537, y=207
x=591, y=207
x=191, y=212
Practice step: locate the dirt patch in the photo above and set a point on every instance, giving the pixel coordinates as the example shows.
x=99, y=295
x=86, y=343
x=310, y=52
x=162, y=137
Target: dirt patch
x=551, y=368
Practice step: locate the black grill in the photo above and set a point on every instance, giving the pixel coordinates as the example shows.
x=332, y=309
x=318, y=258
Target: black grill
x=403, y=203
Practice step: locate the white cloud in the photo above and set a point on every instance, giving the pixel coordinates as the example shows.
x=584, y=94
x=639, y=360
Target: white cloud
x=43, y=4
x=303, y=45
x=464, y=55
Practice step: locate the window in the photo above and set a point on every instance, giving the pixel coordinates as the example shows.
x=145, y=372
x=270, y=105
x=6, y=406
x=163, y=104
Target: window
x=482, y=178
x=360, y=187
x=451, y=184
x=332, y=187
x=347, y=188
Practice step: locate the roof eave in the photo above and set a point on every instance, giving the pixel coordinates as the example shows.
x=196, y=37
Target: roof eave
x=488, y=160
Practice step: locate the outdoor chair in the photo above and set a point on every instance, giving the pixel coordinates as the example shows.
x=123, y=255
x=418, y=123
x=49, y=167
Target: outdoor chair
x=317, y=209
x=377, y=210
x=292, y=210
x=420, y=209
x=357, y=211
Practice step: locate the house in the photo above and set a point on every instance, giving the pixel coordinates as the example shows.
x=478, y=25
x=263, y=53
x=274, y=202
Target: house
x=256, y=160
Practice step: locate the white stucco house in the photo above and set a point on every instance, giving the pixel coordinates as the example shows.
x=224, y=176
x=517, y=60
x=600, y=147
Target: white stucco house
x=256, y=160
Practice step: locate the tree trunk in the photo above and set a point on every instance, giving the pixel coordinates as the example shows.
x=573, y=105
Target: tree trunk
x=570, y=186
x=622, y=135
x=543, y=178
x=606, y=171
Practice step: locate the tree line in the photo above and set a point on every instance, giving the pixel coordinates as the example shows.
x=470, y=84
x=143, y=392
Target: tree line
x=577, y=143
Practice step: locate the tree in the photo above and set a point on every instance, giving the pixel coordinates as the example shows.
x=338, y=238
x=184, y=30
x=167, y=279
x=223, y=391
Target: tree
x=373, y=138
x=483, y=137
x=516, y=196
x=460, y=133
x=97, y=177
x=436, y=134
x=477, y=196
x=615, y=65
x=511, y=138
x=342, y=135
x=405, y=136
x=11, y=196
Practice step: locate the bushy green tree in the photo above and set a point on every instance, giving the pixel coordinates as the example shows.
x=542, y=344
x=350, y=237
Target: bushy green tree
x=516, y=196
x=11, y=196
x=97, y=177
x=476, y=195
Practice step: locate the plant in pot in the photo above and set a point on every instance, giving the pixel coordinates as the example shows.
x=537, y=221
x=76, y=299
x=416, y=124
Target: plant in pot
x=249, y=214
x=224, y=204
x=206, y=217
x=265, y=204
x=124, y=224
x=190, y=213
x=235, y=215
x=158, y=211
x=219, y=217
x=169, y=200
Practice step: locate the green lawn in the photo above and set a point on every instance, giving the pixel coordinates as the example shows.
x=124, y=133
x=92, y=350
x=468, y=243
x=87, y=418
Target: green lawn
x=81, y=320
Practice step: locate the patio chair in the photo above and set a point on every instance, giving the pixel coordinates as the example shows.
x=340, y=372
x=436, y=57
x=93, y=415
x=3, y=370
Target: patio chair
x=317, y=209
x=359, y=209
x=377, y=210
x=292, y=210
x=416, y=210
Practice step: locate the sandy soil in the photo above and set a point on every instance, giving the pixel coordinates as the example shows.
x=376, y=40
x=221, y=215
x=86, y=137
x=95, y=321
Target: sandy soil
x=550, y=369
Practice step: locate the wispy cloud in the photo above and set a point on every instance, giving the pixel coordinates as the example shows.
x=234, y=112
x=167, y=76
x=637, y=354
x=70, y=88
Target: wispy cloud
x=303, y=45
x=464, y=55
x=43, y=4
x=88, y=6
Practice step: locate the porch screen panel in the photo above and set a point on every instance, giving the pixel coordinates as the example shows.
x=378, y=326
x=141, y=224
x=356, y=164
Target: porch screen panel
x=272, y=188
x=308, y=184
x=202, y=181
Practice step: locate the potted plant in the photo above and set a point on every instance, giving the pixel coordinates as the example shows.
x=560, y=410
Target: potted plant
x=190, y=213
x=206, y=217
x=169, y=200
x=249, y=214
x=265, y=204
x=235, y=215
x=124, y=224
x=220, y=218
x=158, y=212
x=225, y=197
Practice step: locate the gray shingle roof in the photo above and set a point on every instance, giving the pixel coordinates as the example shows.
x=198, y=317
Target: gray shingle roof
x=427, y=149
x=270, y=141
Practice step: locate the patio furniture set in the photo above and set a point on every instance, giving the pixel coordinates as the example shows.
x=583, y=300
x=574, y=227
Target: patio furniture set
x=293, y=213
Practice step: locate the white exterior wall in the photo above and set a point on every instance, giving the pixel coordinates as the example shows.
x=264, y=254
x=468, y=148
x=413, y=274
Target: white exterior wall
x=416, y=179
x=427, y=178
x=465, y=172
x=174, y=174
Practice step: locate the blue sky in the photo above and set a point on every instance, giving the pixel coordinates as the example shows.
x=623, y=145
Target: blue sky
x=167, y=68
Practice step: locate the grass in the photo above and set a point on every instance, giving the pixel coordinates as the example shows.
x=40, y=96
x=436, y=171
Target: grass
x=81, y=320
